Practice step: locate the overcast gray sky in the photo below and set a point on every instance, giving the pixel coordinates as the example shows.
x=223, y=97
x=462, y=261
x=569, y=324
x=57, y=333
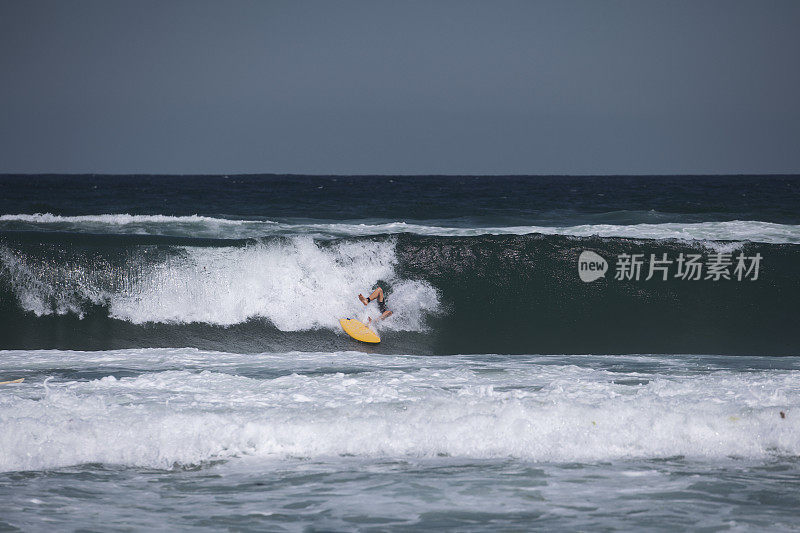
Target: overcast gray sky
x=395, y=87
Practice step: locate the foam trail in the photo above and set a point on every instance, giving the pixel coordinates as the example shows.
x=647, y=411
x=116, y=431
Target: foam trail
x=215, y=227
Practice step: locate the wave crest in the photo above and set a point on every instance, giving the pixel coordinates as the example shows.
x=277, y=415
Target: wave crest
x=224, y=228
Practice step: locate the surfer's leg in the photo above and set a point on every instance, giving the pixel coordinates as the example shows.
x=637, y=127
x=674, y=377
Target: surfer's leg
x=386, y=315
x=377, y=293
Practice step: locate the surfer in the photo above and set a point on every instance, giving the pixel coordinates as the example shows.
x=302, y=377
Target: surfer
x=377, y=294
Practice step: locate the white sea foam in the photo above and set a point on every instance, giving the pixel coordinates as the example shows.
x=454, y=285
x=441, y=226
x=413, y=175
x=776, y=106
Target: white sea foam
x=296, y=284
x=118, y=220
x=211, y=227
x=453, y=406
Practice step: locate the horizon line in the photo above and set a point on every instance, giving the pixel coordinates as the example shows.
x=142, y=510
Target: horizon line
x=416, y=175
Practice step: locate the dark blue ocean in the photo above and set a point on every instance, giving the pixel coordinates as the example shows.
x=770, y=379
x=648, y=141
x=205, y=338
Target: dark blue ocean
x=566, y=353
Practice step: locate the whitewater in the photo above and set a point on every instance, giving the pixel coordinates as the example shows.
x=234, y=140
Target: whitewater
x=182, y=408
x=170, y=418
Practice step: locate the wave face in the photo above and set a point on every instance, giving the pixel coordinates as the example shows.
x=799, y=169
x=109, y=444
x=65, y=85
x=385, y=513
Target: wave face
x=450, y=294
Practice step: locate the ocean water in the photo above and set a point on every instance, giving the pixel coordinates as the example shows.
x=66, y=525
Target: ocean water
x=184, y=367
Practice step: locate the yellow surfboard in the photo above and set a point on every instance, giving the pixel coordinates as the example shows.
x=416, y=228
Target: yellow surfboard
x=20, y=380
x=358, y=330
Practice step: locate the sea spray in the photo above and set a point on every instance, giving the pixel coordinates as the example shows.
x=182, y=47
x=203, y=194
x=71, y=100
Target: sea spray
x=294, y=283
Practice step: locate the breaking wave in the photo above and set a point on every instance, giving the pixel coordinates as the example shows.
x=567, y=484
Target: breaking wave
x=225, y=228
x=470, y=294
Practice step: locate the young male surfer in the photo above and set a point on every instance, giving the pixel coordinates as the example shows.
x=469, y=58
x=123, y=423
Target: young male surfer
x=377, y=294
